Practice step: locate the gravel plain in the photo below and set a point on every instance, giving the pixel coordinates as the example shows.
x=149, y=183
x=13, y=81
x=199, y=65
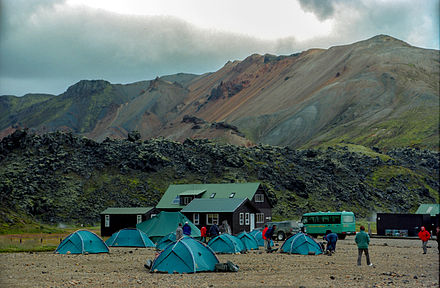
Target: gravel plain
x=397, y=263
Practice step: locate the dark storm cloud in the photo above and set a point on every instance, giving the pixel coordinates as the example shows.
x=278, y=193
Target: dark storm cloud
x=45, y=46
x=49, y=41
x=323, y=9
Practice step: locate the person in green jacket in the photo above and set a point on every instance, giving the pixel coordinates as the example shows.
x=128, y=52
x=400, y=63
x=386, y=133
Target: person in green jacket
x=362, y=240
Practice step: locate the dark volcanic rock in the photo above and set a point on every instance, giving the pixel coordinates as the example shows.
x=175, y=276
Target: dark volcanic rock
x=60, y=177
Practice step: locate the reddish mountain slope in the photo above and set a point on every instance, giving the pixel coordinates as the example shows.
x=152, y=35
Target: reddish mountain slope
x=378, y=92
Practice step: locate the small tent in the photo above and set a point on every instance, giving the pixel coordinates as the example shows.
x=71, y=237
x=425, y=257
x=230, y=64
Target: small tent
x=301, y=243
x=165, y=223
x=226, y=243
x=129, y=237
x=249, y=241
x=165, y=241
x=258, y=235
x=187, y=255
x=80, y=242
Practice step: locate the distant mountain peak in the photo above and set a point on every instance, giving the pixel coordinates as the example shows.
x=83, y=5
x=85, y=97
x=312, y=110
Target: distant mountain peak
x=87, y=87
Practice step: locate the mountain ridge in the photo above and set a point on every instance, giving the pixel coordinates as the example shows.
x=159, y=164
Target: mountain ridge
x=377, y=92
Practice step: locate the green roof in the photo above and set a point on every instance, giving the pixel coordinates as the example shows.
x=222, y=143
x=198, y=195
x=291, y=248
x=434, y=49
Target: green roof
x=132, y=210
x=213, y=205
x=432, y=209
x=192, y=192
x=241, y=190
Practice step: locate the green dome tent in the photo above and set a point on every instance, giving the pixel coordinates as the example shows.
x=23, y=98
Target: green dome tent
x=165, y=241
x=301, y=243
x=165, y=223
x=259, y=237
x=226, y=243
x=129, y=237
x=187, y=255
x=249, y=241
x=81, y=242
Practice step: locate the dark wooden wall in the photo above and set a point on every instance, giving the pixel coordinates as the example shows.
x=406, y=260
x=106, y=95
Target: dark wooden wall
x=395, y=221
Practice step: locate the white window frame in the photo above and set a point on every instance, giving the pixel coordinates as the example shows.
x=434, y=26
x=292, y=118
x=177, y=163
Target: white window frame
x=107, y=221
x=241, y=218
x=138, y=218
x=187, y=200
x=260, y=218
x=259, y=198
x=214, y=217
x=152, y=215
x=196, y=218
x=247, y=218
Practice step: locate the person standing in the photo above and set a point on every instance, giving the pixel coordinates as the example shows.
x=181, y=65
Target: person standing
x=362, y=240
x=263, y=234
x=269, y=234
x=186, y=229
x=203, y=234
x=424, y=236
x=213, y=231
x=179, y=232
x=331, y=239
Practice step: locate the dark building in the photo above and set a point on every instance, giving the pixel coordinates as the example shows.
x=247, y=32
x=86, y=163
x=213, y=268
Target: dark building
x=115, y=219
x=395, y=224
x=226, y=201
x=238, y=213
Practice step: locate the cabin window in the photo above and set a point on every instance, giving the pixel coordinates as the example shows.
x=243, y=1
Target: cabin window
x=152, y=215
x=139, y=219
x=260, y=217
x=212, y=195
x=196, y=218
x=176, y=200
x=186, y=200
x=211, y=219
x=107, y=221
x=259, y=198
x=232, y=195
x=241, y=218
x=247, y=218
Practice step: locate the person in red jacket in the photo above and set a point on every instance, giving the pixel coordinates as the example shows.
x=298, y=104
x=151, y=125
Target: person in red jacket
x=424, y=236
x=264, y=237
x=203, y=234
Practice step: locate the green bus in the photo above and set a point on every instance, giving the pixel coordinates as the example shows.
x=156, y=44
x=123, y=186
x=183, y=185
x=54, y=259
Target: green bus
x=317, y=223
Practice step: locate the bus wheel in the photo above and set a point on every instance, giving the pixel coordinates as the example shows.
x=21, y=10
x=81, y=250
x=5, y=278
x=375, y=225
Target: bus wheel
x=342, y=236
x=281, y=236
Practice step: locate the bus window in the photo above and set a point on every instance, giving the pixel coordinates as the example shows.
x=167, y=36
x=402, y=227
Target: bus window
x=335, y=219
x=347, y=218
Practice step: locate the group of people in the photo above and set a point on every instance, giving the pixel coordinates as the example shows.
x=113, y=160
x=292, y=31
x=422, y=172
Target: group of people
x=214, y=230
x=362, y=238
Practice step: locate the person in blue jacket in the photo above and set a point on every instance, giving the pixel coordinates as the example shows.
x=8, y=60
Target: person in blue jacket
x=213, y=231
x=331, y=239
x=268, y=235
x=186, y=229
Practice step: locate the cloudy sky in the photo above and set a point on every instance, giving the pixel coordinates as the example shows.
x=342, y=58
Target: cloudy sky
x=46, y=46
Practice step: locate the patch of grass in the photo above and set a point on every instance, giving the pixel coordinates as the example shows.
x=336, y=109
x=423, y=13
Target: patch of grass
x=364, y=222
x=34, y=249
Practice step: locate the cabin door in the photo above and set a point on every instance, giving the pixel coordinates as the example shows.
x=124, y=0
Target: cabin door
x=252, y=222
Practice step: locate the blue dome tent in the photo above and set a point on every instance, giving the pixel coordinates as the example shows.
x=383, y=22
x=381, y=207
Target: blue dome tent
x=249, y=241
x=187, y=255
x=129, y=237
x=259, y=237
x=165, y=241
x=301, y=243
x=226, y=243
x=81, y=242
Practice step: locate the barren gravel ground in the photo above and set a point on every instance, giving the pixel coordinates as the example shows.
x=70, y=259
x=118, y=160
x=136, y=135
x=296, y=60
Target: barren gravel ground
x=397, y=263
